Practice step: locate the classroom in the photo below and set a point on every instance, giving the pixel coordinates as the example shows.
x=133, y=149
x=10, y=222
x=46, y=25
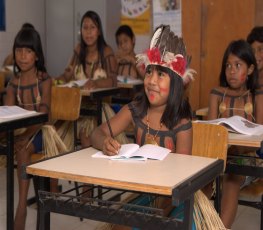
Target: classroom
x=112, y=101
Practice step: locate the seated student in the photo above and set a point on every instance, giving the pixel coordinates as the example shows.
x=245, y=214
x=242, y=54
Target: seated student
x=255, y=39
x=125, y=55
x=161, y=114
x=93, y=59
x=236, y=96
x=9, y=60
x=30, y=88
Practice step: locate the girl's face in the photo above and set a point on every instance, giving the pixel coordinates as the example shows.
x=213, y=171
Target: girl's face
x=90, y=32
x=157, y=86
x=125, y=43
x=237, y=72
x=257, y=48
x=25, y=58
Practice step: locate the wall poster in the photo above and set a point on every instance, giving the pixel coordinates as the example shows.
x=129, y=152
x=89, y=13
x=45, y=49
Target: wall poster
x=168, y=12
x=2, y=15
x=137, y=14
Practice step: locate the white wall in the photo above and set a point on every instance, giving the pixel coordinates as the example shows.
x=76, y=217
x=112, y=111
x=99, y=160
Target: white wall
x=17, y=13
x=58, y=21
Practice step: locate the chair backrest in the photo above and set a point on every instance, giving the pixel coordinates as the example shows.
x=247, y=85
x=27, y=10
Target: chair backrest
x=210, y=140
x=65, y=103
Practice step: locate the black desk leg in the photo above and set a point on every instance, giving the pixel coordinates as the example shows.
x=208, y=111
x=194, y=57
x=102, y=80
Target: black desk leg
x=43, y=216
x=188, y=213
x=10, y=180
x=99, y=111
x=218, y=195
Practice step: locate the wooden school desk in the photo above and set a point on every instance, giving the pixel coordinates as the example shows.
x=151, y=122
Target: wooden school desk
x=247, y=141
x=8, y=126
x=177, y=176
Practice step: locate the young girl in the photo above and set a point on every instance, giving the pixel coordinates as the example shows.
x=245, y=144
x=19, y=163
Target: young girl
x=93, y=59
x=30, y=88
x=161, y=115
x=236, y=96
x=125, y=55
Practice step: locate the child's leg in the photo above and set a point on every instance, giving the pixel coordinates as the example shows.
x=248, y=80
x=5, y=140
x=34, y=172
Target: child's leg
x=23, y=158
x=230, y=194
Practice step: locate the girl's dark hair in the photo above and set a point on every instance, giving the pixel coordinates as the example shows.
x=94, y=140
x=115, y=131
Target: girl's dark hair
x=124, y=29
x=101, y=43
x=256, y=34
x=242, y=50
x=29, y=38
x=177, y=106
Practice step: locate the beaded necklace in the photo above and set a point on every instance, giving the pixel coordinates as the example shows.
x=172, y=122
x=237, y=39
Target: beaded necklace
x=38, y=98
x=151, y=139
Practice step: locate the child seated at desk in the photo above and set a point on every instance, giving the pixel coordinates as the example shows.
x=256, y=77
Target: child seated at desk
x=161, y=114
x=236, y=96
x=125, y=55
x=94, y=60
x=29, y=88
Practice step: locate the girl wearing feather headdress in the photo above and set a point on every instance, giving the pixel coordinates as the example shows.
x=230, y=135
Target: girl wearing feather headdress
x=161, y=114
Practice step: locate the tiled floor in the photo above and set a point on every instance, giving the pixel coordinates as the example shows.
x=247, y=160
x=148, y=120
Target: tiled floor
x=247, y=218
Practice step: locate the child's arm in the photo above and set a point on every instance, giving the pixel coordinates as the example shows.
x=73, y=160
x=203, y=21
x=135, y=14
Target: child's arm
x=101, y=138
x=213, y=107
x=184, y=141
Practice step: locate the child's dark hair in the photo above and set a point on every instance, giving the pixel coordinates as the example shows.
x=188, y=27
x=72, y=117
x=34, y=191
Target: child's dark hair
x=27, y=25
x=101, y=43
x=29, y=38
x=256, y=35
x=242, y=50
x=177, y=106
x=124, y=29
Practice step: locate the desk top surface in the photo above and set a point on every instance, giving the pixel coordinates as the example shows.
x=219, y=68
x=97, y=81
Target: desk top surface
x=150, y=176
x=86, y=92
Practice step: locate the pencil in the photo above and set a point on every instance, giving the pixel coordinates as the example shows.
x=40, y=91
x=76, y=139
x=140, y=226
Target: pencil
x=107, y=119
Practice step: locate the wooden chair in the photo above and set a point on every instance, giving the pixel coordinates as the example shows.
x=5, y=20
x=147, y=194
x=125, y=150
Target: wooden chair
x=211, y=141
x=65, y=106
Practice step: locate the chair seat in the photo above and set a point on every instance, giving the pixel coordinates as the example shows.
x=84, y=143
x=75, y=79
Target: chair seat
x=253, y=189
x=37, y=157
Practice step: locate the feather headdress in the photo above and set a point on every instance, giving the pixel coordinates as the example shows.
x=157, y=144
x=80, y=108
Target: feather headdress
x=168, y=50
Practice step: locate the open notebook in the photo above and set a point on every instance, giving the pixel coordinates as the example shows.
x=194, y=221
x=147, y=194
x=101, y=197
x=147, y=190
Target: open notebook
x=237, y=124
x=7, y=112
x=135, y=152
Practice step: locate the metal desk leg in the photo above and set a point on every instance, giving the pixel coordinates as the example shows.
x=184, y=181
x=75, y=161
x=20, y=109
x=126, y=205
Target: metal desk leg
x=43, y=222
x=188, y=213
x=10, y=181
x=99, y=111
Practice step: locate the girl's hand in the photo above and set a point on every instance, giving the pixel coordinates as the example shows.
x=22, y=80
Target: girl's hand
x=90, y=84
x=111, y=147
